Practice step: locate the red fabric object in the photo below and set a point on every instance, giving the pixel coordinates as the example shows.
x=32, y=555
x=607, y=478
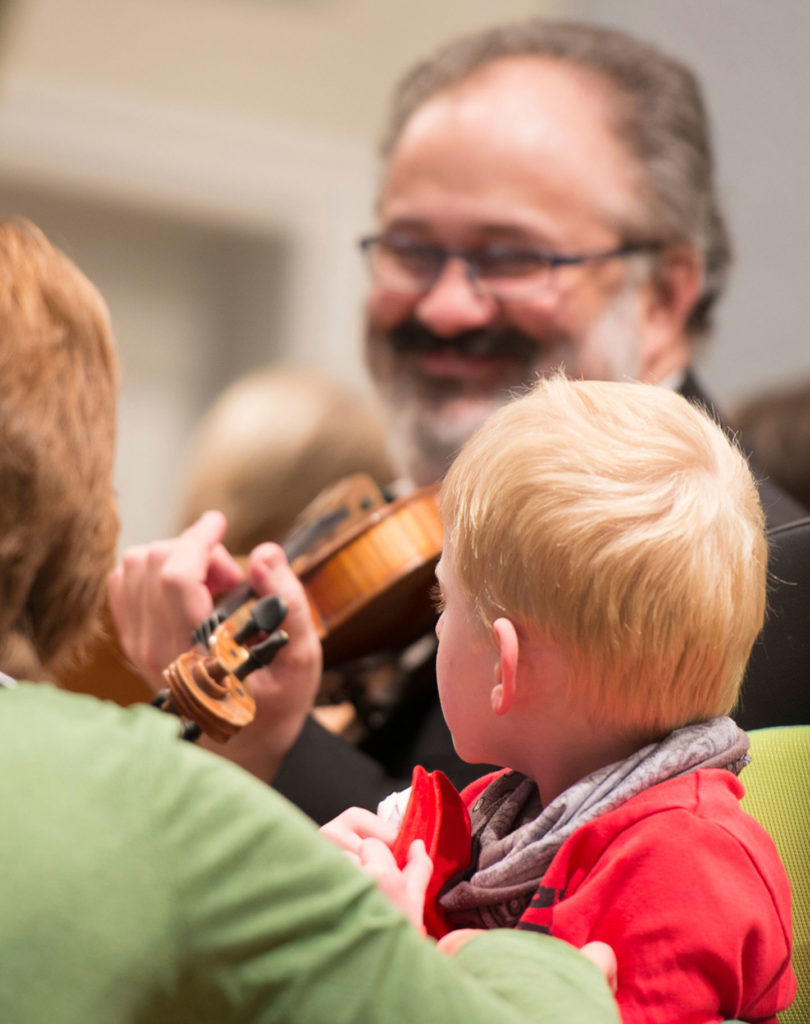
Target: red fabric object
x=436, y=814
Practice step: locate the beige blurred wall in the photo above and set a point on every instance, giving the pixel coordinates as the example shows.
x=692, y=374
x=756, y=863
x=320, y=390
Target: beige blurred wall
x=752, y=61
x=326, y=64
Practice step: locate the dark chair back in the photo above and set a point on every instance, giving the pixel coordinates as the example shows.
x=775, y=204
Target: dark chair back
x=776, y=689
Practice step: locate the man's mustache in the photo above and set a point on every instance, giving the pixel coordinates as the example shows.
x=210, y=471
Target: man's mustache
x=490, y=342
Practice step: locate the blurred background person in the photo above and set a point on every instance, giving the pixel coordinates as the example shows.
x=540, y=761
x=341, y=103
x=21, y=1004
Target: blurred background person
x=271, y=442
x=775, y=425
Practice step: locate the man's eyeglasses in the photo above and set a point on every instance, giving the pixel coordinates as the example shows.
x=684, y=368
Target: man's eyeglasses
x=505, y=272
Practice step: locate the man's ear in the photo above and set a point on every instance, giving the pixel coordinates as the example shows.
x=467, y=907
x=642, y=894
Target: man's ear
x=676, y=282
x=505, y=684
x=669, y=298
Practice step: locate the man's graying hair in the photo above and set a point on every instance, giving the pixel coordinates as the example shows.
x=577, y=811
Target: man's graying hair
x=660, y=116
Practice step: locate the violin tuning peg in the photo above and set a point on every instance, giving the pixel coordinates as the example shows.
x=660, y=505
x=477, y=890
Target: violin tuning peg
x=262, y=654
x=203, y=632
x=191, y=732
x=269, y=612
x=266, y=615
x=224, y=609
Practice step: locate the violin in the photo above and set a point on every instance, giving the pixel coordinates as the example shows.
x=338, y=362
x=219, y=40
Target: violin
x=366, y=562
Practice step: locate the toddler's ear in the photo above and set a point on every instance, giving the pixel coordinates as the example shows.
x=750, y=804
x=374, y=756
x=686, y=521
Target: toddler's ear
x=503, y=690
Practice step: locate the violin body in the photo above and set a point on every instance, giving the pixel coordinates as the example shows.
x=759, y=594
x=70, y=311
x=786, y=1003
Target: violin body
x=366, y=564
x=371, y=583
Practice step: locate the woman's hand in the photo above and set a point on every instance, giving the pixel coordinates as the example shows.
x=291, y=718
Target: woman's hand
x=367, y=840
x=354, y=825
x=405, y=887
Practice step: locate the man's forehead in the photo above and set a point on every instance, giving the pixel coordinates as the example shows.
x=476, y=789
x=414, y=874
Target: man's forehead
x=536, y=127
x=527, y=97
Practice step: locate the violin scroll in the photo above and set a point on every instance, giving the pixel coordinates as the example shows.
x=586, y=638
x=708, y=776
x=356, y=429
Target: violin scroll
x=207, y=685
x=366, y=563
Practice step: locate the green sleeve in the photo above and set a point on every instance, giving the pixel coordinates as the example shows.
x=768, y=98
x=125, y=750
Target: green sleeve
x=144, y=881
x=278, y=926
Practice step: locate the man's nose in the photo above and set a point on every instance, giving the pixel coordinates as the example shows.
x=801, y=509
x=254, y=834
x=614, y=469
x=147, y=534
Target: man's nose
x=454, y=304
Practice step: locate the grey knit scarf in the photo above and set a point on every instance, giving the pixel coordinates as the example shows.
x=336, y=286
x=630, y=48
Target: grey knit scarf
x=516, y=838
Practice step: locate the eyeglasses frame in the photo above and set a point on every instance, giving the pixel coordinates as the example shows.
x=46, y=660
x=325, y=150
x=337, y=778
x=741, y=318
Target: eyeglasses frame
x=551, y=260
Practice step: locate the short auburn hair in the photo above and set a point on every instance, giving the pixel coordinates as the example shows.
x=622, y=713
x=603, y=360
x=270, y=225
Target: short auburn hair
x=622, y=521
x=58, y=390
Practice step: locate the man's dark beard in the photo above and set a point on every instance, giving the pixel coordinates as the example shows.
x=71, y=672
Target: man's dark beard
x=426, y=430
x=500, y=342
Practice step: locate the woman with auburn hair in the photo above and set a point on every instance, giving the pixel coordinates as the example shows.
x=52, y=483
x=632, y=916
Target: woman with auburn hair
x=58, y=517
